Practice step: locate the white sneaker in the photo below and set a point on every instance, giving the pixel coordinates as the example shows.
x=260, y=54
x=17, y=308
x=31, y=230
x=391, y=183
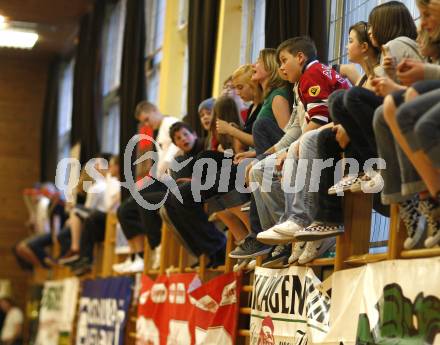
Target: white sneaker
x=297, y=250
x=136, y=266
x=371, y=184
x=271, y=237
x=119, y=268
x=251, y=265
x=287, y=228
x=155, y=258
x=315, y=249
x=241, y=264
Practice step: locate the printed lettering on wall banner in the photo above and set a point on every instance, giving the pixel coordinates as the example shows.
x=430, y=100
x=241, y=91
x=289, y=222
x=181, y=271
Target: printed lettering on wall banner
x=177, y=309
x=103, y=309
x=288, y=308
x=57, y=311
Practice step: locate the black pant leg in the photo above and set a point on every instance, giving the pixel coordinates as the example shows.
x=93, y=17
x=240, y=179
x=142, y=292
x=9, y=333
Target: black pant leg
x=93, y=232
x=360, y=104
x=150, y=219
x=330, y=207
x=129, y=218
x=254, y=218
x=192, y=223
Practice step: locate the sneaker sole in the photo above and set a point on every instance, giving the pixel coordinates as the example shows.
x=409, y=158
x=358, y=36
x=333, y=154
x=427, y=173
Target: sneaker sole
x=321, y=251
x=250, y=256
x=317, y=236
x=416, y=239
x=68, y=260
x=432, y=241
x=342, y=190
x=275, y=241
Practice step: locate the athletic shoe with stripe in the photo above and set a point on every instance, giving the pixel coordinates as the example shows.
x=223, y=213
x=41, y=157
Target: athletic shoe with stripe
x=250, y=248
x=297, y=250
x=276, y=258
x=315, y=249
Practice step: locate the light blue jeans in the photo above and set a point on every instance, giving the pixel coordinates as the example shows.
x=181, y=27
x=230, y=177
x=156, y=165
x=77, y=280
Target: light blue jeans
x=301, y=204
x=419, y=121
x=401, y=180
x=268, y=196
x=277, y=204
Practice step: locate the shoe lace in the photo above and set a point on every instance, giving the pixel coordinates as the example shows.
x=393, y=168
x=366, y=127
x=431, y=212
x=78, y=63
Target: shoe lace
x=310, y=249
x=249, y=244
x=410, y=216
x=347, y=180
x=277, y=250
x=426, y=207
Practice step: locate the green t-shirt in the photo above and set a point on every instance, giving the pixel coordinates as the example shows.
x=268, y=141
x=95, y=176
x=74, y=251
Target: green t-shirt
x=266, y=109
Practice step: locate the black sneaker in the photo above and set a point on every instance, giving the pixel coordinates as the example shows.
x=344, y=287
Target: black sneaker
x=250, y=248
x=431, y=211
x=277, y=257
x=82, y=266
x=68, y=258
x=410, y=215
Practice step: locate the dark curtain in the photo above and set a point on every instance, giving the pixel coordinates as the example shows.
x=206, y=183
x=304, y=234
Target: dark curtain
x=49, y=132
x=87, y=98
x=289, y=18
x=202, y=37
x=133, y=81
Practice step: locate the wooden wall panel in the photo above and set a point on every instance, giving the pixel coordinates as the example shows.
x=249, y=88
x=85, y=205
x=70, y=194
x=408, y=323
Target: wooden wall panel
x=22, y=92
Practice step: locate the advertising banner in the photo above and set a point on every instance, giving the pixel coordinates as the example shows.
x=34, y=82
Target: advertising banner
x=179, y=310
x=288, y=307
x=388, y=303
x=103, y=310
x=57, y=311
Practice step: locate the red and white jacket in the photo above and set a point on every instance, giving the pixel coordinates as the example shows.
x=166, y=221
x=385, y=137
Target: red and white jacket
x=316, y=84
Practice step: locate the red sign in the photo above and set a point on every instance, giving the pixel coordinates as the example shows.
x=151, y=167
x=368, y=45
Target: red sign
x=178, y=310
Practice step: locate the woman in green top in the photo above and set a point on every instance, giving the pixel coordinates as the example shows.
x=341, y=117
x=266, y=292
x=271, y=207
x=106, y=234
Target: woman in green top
x=275, y=112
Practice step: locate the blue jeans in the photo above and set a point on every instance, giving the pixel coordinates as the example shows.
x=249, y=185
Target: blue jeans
x=401, y=180
x=301, y=204
x=268, y=196
x=419, y=121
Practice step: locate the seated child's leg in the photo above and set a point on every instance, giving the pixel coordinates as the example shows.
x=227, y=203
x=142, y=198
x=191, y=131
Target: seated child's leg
x=269, y=197
x=234, y=224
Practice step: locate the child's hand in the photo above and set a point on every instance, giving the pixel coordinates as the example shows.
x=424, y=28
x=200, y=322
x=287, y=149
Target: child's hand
x=223, y=127
x=384, y=86
x=409, y=71
x=239, y=157
x=280, y=160
x=341, y=136
x=389, y=63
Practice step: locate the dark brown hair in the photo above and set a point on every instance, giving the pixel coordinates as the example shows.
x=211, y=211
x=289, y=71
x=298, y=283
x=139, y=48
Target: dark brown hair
x=391, y=20
x=361, y=29
x=225, y=109
x=303, y=44
x=177, y=126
